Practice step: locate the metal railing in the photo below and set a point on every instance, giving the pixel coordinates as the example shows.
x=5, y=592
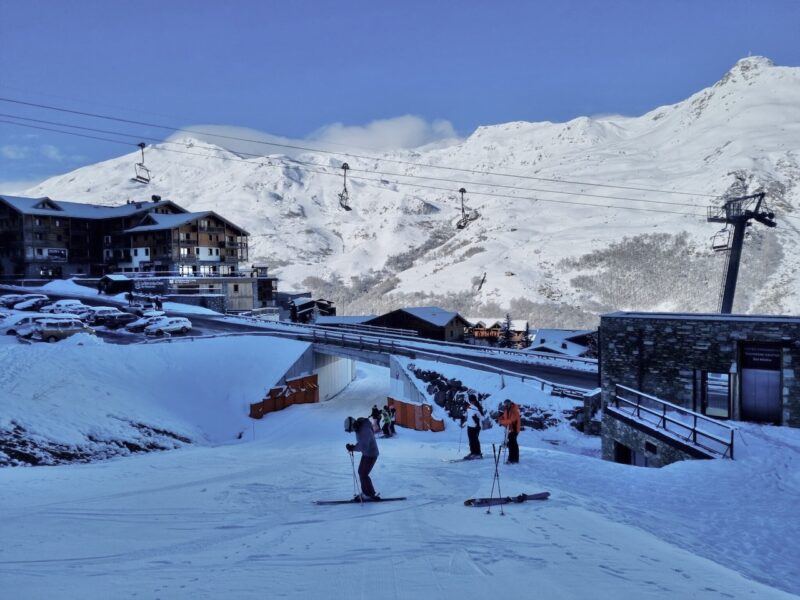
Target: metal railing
x=699, y=430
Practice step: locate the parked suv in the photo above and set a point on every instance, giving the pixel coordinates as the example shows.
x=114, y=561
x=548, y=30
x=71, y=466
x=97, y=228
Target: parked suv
x=62, y=306
x=10, y=300
x=120, y=320
x=169, y=325
x=140, y=324
x=13, y=323
x=53, y=330
x=97, y=315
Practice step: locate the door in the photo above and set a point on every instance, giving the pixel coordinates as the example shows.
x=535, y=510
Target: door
x=762, y=400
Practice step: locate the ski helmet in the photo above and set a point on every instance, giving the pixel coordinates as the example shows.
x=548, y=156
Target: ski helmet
x=349, y=423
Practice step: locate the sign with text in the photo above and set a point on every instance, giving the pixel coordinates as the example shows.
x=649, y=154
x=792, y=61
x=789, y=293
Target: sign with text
x=767, y=358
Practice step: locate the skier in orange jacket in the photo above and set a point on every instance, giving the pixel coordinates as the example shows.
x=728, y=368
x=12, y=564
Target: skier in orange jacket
x=511, y=420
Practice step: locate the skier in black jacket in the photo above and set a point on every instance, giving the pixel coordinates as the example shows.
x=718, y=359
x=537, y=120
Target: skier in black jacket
x=366, y=444
x=474, y=412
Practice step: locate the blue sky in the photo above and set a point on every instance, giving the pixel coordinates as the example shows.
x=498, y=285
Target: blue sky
x=327, y=71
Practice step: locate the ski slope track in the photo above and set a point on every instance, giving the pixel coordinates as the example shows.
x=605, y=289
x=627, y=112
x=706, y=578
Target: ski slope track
x=545, y=258
x=231, y=515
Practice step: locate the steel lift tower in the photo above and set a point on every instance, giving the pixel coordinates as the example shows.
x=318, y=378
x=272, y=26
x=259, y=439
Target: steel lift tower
x=736, y=213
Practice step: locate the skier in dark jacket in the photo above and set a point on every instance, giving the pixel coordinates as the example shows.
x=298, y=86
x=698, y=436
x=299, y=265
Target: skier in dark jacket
x=366, y=444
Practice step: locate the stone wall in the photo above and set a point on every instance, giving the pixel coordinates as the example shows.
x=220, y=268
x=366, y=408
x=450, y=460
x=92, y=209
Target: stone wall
x=658, y=353
x=646, y=443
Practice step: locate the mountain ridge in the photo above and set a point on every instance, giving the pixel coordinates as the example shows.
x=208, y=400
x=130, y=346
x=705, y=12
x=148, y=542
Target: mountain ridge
x=552, y=252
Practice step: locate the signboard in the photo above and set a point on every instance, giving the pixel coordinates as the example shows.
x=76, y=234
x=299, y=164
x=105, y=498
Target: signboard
x=57, y=254
x=766, y=358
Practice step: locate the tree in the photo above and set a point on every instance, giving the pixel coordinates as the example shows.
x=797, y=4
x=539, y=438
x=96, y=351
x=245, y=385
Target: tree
x=506, y=333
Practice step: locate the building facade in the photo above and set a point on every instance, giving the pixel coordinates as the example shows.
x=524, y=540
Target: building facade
x=45, y=238
x=738, y=367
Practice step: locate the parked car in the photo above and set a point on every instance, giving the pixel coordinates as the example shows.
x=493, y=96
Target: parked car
x=169, y=325
x=11, y=324
x=27, y=328
x=98, y=314
x=121, y=320
x=10, y=300
x=61, y=306
x=53, y=330
x=140, y=324
x=32, y=303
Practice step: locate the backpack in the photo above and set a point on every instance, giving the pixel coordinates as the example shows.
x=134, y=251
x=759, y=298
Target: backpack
x=486, y=422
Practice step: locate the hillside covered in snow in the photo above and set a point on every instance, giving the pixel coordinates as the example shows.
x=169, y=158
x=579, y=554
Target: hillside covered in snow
x=546, y=245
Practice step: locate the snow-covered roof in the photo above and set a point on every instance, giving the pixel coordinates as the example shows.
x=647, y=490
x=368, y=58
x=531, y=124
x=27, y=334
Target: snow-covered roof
x=488, y=323
x=158, y=222
x=343, y=320
x=48, y=207
x=432, y=314
x=116, y=277
x=559, y=341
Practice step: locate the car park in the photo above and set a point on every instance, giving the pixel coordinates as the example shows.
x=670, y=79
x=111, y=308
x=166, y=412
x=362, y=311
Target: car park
x=121, y=320
x=53, y=330
x=169, y=325
x=62, y=306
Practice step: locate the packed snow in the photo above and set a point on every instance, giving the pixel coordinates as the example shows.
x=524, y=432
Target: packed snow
x=231, y=515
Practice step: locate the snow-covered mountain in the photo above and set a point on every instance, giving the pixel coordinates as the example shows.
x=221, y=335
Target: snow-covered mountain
x=546, y=248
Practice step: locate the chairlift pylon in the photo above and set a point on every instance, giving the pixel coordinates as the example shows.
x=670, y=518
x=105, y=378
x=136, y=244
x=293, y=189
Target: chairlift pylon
x=143, y=174
x=344, y=196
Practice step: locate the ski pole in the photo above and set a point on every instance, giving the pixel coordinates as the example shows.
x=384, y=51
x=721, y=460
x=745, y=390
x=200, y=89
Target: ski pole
x=505, y=444
x=460, y=433
x=497, y=477
x=494, y=478
x=356, y=484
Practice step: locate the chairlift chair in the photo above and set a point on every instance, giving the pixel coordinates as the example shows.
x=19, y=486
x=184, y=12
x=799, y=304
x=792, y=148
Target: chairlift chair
x=344, y=195
x=143, y=174
x=720, y=241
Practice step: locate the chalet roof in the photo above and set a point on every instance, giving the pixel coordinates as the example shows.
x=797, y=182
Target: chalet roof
x=344, y=320
x=489, y=323
x=115, y=277
x=559, y=341
x=47, y=207
x=432, y=314
x=159, y=222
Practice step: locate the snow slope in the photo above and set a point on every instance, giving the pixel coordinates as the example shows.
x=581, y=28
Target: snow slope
x=548, y=259
x=237, y=521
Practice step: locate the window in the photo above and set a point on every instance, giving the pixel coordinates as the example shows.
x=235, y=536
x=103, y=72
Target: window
x=107, y=240
x=136, y=252
x=210, y=252
x=37, y=222
x=39, y=252
x=235, y=287
x=58, y=223
x=147, y=251
x=217, y=251
x=39, y=236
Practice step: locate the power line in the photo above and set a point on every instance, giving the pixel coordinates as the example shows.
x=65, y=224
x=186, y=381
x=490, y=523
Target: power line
x=347, y=154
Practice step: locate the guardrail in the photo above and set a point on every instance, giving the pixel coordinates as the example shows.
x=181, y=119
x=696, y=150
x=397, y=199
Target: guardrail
x=686, y=424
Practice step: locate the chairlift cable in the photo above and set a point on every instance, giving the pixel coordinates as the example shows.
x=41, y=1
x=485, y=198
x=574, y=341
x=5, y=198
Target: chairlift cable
x=291, y=162
x=348, y=154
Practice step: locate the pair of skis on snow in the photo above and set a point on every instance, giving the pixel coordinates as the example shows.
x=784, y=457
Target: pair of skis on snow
x=470, y=502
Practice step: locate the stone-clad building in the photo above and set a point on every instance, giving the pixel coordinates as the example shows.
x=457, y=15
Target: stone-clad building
x=739, y=367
